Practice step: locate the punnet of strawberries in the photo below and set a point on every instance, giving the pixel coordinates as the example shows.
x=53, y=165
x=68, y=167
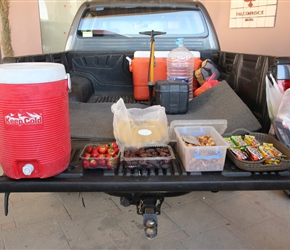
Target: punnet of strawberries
x=102, y=156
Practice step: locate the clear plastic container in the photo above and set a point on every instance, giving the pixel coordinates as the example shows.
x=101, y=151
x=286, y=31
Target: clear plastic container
x=201, y=158
x=153, y=157
x=100, y=161
x=180, y=65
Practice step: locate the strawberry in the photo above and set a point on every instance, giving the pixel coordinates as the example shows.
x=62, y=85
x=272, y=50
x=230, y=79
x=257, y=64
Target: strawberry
x=114, y=145
x=93, y=163
x=103, y=149
x=111, y=163
x=86, y=164
x=111, y=152
x=89, y=149
x=87, y=155
x=95, y=152
x=116, y=151
x=102, y=160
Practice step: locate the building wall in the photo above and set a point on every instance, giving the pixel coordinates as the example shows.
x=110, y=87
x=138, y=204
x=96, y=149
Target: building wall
x=267, y=41
x=26, y=29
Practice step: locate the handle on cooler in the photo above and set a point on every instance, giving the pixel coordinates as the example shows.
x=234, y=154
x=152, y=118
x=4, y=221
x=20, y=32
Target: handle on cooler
x=68, y=82
x=207, y=157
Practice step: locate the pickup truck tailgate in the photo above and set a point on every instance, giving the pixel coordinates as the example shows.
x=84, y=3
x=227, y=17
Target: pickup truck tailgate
x=122, y=181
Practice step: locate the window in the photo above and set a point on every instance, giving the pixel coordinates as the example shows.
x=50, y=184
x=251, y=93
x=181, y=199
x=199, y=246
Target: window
x=128, y=22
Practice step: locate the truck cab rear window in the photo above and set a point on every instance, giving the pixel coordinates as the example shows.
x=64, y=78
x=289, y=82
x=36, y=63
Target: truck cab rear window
x=128, y=22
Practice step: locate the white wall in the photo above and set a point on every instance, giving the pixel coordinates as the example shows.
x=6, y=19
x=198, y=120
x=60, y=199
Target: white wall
x=267, y=41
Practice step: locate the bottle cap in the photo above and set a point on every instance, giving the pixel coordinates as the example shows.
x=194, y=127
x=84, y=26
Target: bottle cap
x=179, y=41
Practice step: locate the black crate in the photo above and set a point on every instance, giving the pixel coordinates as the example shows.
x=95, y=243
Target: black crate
x=172, y=95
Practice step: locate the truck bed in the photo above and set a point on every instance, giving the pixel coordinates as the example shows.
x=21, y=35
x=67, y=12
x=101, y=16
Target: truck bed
x=93, y=93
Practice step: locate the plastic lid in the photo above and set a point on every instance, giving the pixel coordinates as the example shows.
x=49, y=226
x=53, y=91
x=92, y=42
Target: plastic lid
x=220, y=125
x=179, y=42
x=24, y=73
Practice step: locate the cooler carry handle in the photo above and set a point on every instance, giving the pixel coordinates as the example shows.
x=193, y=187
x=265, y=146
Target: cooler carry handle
x=68, y=82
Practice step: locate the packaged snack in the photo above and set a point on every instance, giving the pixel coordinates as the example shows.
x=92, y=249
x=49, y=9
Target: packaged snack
x=241, y=155
x=254, y=153
x=251, y=140
x=272, y=149
x=230, y=142
x=238, y=141
x=267, y=154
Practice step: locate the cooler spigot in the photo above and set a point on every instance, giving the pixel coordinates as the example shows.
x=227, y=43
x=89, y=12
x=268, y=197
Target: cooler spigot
x=27, y=169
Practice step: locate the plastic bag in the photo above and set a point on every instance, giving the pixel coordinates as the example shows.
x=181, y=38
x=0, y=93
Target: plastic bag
x=206, y=70
x=273, y=96
x=138, y=127
x=283, y=113
x=205, y=86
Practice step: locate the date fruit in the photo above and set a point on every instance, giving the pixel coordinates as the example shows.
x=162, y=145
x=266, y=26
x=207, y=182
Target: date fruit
x=139, y=157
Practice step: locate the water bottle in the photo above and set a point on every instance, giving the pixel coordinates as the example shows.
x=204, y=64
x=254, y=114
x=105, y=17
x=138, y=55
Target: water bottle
x=180, y=64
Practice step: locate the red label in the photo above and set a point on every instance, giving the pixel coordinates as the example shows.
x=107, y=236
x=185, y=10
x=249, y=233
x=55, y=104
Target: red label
x=23, y=119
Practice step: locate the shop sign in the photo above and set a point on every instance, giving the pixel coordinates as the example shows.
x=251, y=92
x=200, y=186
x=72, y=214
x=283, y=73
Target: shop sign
x=252, y=13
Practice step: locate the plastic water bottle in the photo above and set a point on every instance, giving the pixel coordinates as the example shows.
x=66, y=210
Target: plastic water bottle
x=180, y=65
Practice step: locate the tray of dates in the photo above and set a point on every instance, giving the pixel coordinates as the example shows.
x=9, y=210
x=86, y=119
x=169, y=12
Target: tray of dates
x=149, y=157
x=102, y=156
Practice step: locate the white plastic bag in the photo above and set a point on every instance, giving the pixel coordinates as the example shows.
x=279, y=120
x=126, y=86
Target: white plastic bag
x=138, y=127
x=273, y=96
x=283, y=113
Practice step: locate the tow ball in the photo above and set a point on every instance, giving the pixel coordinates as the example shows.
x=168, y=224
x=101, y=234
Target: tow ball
x=149, y=207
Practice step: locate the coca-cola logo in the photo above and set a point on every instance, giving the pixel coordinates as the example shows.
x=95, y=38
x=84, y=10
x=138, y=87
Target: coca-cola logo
x=23, y=118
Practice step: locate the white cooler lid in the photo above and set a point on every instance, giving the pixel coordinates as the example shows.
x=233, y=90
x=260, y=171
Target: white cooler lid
x=160, y=54
x=31, y=72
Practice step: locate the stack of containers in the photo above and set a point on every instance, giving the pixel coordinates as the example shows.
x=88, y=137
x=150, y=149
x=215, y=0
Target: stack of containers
x=142, y=135
x=139, y=67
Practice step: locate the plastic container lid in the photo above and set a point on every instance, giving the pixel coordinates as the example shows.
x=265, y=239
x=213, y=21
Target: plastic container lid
x=219, y=124
x=29, y=73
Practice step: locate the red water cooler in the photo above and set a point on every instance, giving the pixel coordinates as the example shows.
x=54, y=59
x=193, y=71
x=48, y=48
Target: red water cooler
x=34, y=120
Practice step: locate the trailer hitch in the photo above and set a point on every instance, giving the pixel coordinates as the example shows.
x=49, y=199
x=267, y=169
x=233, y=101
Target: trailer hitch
x=149, y=207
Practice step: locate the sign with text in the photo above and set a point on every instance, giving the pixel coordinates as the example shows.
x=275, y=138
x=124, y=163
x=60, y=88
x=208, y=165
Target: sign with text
x=253, y=13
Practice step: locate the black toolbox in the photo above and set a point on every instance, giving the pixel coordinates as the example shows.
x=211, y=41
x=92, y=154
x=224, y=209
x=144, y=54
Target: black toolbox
x=172, y=95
